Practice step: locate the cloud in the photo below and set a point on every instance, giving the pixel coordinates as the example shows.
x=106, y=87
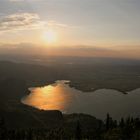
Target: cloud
x=27, y=21
x=21, y=21
x=55, y=24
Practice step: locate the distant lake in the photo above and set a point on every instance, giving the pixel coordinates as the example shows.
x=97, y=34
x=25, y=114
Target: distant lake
x=60, y=96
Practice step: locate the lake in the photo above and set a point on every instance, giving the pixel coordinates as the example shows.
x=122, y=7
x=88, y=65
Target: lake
x=60, y=96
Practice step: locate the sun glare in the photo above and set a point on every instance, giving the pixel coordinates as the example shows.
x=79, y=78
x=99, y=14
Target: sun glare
x=50, y=36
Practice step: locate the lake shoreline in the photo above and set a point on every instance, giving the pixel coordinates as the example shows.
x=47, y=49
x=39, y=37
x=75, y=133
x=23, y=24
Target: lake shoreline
x=61, y=96
x=93, y=89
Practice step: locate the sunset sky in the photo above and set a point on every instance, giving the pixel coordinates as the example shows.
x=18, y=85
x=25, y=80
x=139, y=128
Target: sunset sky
x=103, y=26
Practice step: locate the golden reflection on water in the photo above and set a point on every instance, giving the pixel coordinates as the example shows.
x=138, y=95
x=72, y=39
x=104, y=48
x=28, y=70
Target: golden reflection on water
x=52, y=97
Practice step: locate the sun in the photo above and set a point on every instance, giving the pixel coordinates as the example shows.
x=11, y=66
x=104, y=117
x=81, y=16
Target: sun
x=50, y=36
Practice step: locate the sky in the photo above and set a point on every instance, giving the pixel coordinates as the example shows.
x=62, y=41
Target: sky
x=84, y=27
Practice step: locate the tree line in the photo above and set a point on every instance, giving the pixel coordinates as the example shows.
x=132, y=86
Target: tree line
x=125, y=129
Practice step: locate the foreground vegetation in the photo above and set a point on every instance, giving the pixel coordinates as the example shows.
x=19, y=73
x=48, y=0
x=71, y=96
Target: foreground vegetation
x=125, y=129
